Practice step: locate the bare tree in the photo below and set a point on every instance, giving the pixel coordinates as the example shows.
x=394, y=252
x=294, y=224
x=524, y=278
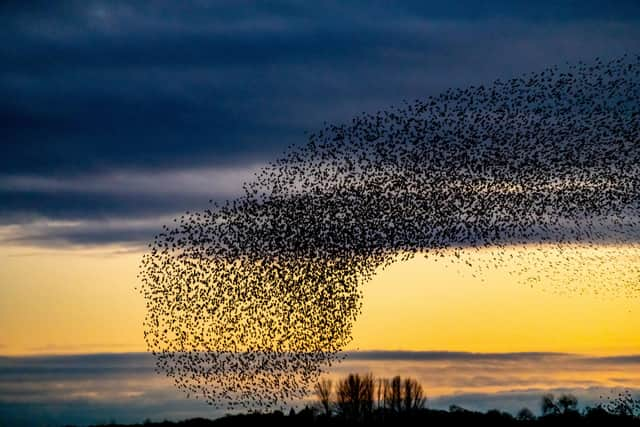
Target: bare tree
x=324, y=390
x=380, y=391
x=413, y=396
x=393, y=395
x=386, y=391
x=403, y=395
x=367, y=395
x=355, y=396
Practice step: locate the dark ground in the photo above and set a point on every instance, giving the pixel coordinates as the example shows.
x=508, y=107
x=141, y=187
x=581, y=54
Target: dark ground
x=426, y=417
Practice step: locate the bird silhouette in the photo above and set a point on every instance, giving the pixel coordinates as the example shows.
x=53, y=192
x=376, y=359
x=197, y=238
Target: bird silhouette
x=249, y=300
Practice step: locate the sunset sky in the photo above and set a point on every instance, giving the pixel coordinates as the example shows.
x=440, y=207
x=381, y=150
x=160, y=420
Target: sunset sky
x=118, y=116
x=83, y=300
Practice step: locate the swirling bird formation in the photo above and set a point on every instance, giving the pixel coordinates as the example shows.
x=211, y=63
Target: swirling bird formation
x=250, y=300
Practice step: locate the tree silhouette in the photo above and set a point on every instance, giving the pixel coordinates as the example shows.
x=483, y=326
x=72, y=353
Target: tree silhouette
x=525, y=414
x=548, y=405
x=568, y=403
x=398, y=395
x=324, y=390
x=413, y=397
x=565, y=404
x=393, y=394
x=381, y=384
x=457, y=409
x=355, y=396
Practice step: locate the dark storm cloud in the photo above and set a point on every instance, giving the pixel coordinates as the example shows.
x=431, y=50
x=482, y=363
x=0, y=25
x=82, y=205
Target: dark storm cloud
x=95, y=87
x=94, y=84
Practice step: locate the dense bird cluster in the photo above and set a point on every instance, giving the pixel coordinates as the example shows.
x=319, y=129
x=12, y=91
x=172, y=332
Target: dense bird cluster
x=250, y=300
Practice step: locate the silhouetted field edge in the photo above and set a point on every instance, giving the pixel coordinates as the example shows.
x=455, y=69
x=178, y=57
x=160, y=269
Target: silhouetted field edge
x=430, y=417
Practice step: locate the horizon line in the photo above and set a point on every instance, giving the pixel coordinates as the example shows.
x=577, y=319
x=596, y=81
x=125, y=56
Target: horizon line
x=377, y=354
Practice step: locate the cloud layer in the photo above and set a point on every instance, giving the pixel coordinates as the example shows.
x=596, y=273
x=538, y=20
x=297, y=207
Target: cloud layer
x=105, y=97
x=83, y=389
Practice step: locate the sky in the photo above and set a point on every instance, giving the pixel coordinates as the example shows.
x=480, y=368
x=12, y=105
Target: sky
x=118, y=116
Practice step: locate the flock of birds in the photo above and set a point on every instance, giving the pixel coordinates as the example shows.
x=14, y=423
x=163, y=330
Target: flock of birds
x=250, y=300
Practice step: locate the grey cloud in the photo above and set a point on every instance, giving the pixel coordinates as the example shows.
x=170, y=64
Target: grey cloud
x=620, y=360
x=84, y=389
x=87, y=232
x=99, y=95
x=214, y=182
x=145, y=202
x=452, y=355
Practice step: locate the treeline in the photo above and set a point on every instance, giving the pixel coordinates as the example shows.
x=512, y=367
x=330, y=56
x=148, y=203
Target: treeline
x=364, y=400
x=357, y=397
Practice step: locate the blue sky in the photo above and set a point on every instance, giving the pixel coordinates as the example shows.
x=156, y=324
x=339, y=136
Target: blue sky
x=119, y=115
